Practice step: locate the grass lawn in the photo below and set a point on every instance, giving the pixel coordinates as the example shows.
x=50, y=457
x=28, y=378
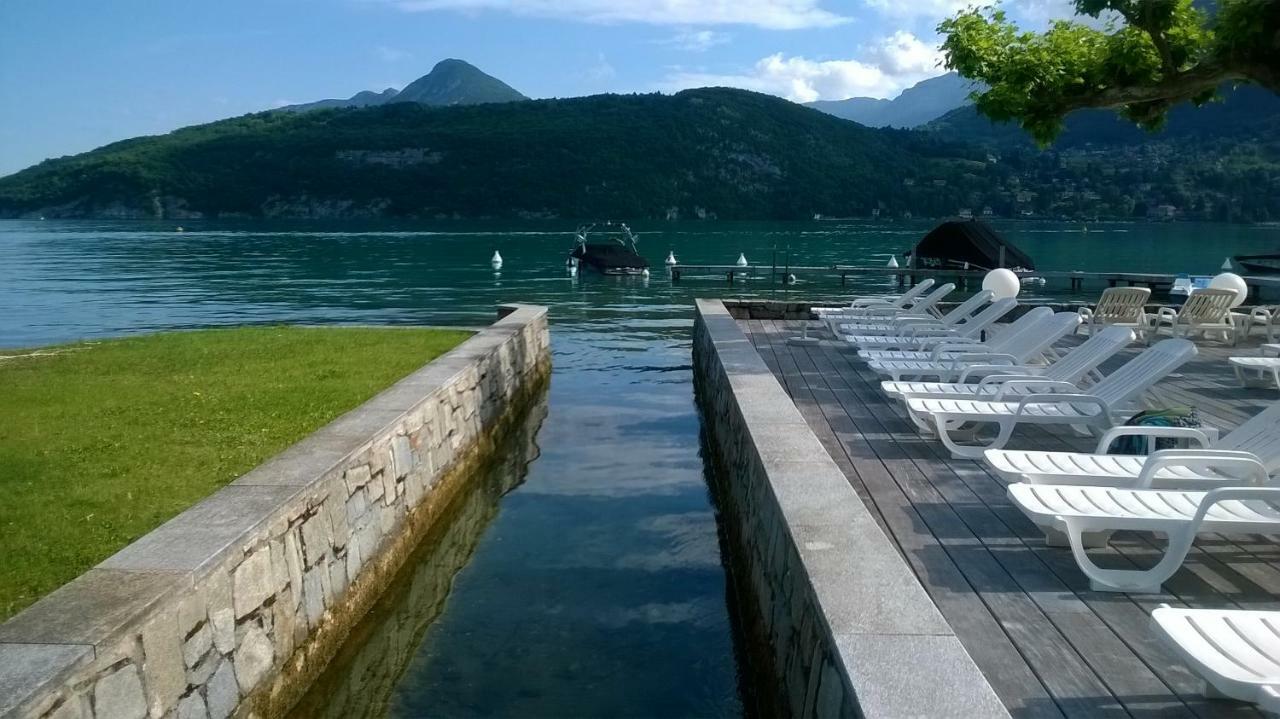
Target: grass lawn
x=100, y=442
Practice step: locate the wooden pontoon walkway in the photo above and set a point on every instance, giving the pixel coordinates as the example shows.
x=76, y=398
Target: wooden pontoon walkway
x=1048, y=644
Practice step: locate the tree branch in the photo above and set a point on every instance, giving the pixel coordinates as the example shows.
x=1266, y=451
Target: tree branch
x=1179, y=86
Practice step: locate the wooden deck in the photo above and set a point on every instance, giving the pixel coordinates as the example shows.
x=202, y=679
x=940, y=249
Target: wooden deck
x=1049, y=645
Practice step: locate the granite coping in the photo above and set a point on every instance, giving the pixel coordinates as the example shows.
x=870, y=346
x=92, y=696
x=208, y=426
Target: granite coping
x=898, y=652
x=43, y=644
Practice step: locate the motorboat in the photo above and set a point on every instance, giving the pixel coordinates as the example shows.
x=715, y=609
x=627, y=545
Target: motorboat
x=617, y=256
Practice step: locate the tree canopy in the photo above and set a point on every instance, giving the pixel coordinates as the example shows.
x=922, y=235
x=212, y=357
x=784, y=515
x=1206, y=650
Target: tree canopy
x=1147, y=56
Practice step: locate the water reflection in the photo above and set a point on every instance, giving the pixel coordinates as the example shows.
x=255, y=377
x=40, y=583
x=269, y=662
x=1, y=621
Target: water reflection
x=362, y=679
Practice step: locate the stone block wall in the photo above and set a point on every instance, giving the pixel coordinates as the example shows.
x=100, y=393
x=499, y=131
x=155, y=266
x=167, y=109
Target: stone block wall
x=235, y=605
x=846, y=628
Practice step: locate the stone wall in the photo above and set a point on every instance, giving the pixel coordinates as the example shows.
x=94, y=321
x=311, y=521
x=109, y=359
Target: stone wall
x=848, y=629
x=234, y=606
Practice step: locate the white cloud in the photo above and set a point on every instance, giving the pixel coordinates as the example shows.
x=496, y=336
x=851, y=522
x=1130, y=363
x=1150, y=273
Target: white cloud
x=888, y=66
x=601, y=71
x=770, y=14
x=390, y=54
x=928, y=9
x=696, y=40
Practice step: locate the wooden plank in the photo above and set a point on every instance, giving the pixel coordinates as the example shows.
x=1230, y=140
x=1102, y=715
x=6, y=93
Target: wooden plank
x=1023, y=610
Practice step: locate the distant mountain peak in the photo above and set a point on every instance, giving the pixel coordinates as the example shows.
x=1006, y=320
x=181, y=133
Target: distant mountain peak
x=450, y=82
x=923, y=102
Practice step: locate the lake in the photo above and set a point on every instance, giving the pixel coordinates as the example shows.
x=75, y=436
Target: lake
x=586, y=576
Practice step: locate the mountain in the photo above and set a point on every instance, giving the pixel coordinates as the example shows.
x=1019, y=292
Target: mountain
x=454, y=82
x=1243, y=112
x=713, y=152
x=450, y=82
x=926, y=100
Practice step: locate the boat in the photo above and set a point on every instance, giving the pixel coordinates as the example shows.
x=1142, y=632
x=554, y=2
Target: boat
x=1259, y=264
x=618, y=256
x=967, y=244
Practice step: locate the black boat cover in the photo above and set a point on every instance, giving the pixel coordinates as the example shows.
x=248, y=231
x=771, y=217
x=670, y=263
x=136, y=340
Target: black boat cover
x=608, y=255
x=957, y=242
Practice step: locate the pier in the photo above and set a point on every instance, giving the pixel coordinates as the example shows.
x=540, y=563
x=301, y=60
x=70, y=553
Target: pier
x=1045, y=643
x=1075, y=280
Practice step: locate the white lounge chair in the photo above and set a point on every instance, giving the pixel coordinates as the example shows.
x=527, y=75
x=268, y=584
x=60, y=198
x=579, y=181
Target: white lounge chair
x=903, y=300
x=1097, y=409
x=924, y=307
x=1237, y=651
x=1205, y=311
x=995, y=338
x=951, y=361
x=893, y=325
x=1259, y=438
x=1267, y=317
x=1122, y=306
x=1062, y=375
x=926, y=336
x=1085, y=516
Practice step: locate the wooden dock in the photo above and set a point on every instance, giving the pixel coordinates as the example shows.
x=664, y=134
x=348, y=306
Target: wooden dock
x=1049, y=645
x=1075, y=281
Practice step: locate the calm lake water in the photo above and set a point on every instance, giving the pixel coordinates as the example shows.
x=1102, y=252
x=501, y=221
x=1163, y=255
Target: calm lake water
x=585, y=570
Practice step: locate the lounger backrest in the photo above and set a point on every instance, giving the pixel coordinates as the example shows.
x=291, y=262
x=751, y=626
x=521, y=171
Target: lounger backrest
x=907, y=297
x=1020, y=332
x=928, y=301
x=1207, y=306
x=1138, y=374
x=1082, y=360
x=1046, y=334
x=1260, y=435
x=1121, y=304
x=974, y=326
x=966, y=308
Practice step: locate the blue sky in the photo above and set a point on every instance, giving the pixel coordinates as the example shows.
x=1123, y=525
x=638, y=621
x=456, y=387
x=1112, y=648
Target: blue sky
x=77, y=74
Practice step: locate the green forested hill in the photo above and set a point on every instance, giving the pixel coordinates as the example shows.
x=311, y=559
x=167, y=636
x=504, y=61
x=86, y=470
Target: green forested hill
x=709, y=152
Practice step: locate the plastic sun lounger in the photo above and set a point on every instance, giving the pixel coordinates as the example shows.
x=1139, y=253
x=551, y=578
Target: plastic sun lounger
x=1258, y=438
x=1060, y=376
x=1010, y=333
x=901, y=303
x=1205, y=311
x=1237, y=651
x=925, y=337
x=925, y=307
x=1095, y=409
x=950, y=361
x=902, y=300
x=1118, y=306
x=894, y=325
x=1085, y=516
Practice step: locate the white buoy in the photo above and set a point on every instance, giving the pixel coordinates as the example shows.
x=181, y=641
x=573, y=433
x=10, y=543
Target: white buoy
x=179, y=228
x=1226, y=265
x=742, y=260
x=573, y=270
x=671, y=258
x=893, y=261
x=645, y=273
x=496, y=261
x=791, y=280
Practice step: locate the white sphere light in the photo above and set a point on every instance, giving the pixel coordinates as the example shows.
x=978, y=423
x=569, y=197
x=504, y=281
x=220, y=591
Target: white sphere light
x=1002, y=283
x=1231, y=281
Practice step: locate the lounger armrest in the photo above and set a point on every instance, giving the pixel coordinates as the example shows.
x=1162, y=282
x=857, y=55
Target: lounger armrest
x=964, y=359
x=1226, y=494
x=1061, y=399
x=1085, y=313
x=927, y=331
x=1038, y=384
x=954, y=345
x=1002, y=373
x=1137, y=430
x=1241, y=467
